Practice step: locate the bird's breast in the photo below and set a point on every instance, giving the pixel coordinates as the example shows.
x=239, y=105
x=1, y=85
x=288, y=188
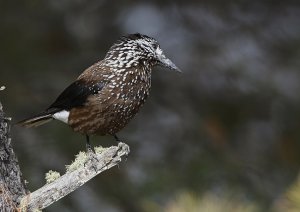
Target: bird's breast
x=129, y=92
x=114, y=106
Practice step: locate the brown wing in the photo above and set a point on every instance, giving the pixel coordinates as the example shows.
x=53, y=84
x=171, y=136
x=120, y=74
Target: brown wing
x=76, y=94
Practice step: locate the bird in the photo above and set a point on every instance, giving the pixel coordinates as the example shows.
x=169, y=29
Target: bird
x=108, y=94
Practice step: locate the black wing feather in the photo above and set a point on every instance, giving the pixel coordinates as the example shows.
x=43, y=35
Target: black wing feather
x=76, y=95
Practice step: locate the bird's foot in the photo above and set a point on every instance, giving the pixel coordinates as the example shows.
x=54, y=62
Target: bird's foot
x=92, y=159
x=126, y=149
x=89, y=148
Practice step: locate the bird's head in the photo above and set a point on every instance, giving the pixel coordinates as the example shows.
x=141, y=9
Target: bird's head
x=137, y=49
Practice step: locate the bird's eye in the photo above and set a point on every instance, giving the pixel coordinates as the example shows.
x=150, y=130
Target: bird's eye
x=155, y=46
x=158, y=50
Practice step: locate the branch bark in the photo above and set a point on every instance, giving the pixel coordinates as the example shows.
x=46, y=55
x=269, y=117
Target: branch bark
x=94, y=164
x=12, y=186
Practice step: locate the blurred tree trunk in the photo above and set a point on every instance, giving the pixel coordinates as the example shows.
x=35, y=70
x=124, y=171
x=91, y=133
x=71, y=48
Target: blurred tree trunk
x=12, y=186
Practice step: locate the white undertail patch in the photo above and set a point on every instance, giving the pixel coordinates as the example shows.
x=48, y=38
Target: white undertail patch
x=62, y=116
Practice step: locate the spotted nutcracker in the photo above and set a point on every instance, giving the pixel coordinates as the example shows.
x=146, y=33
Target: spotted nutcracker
x=107, y=95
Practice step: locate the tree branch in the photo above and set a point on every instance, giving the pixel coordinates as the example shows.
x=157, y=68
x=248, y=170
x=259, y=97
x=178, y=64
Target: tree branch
x=92, y=165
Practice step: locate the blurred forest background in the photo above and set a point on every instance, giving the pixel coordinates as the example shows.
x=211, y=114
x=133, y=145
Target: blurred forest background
x=222, y=136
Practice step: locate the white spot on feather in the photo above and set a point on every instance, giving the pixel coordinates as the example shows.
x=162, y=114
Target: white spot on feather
x=158, y=51
x=62, y=116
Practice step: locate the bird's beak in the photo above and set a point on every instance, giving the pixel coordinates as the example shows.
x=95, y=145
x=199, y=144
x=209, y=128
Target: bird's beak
x=166, y=62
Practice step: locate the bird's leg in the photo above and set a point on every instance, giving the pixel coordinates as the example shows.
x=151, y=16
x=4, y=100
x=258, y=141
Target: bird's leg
x=90, y=152
x=116, y=138
x=88, y=144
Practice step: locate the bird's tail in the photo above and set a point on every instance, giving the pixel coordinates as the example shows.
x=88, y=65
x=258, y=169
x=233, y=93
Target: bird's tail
x=37, y=120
